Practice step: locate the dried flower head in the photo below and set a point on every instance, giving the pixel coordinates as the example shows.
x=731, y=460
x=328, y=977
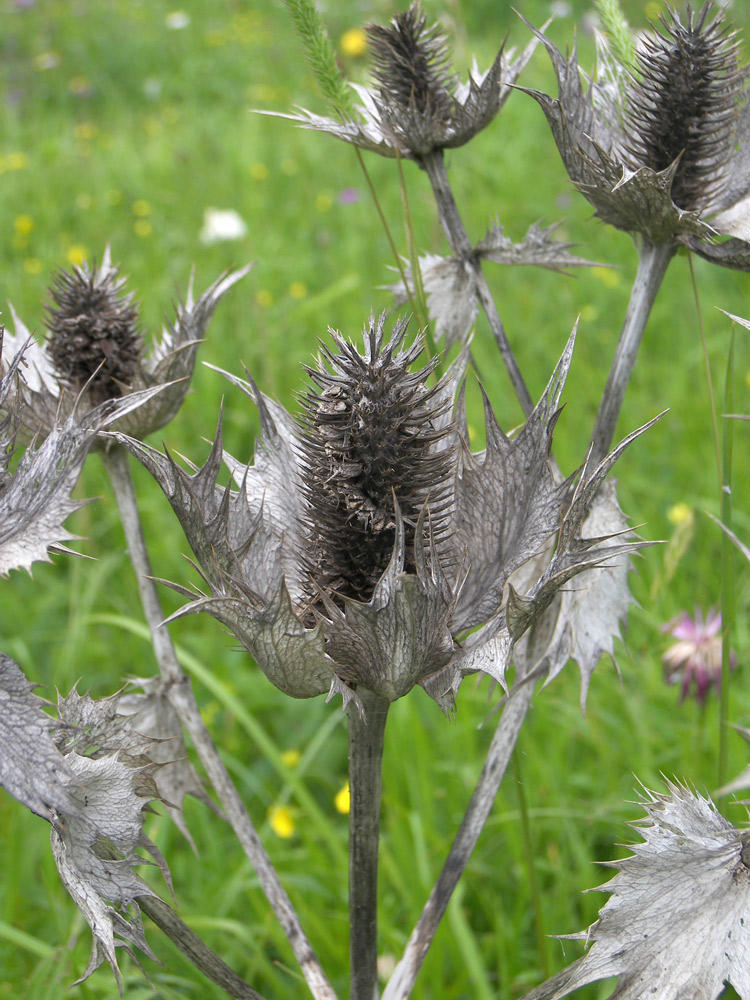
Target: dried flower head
x=93, y=333
x=370, y=456
x=696, y=656
x=418, y=105
x=662, y=146
x=367, y=539
x=95, y=351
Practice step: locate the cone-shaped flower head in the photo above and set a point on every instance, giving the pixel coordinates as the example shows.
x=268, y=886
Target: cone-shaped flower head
x=93, y=334
x=366, y=538
x=369, y=457
x=418, y=104
x=95, y=351
x=661, y=147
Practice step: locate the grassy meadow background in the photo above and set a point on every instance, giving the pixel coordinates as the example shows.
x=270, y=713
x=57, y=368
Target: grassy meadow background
x=122, y=122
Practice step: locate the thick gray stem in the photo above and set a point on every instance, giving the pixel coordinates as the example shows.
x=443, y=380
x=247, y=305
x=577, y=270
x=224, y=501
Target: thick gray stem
x=179, y=691
x=402, y=981
x=453, y=227
x=366, y=738
x=202, y=957
x=652, y=265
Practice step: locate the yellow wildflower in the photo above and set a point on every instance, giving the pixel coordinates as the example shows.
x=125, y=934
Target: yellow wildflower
x=354, y=43
x=23, y=224
x=77, y=254
x=290, y=758
x=259, y=171
x=680, y=513
x=298, y=290
x=281, y=821
x=264, y=298
x=342, y=800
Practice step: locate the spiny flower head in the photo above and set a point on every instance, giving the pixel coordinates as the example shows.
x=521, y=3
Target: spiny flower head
x=418, y=105
x=369, y=450
x=662, y=147
x=96, y=352
x=683, y=105
x=93, y=334
x=367, y=545
x=412, y=68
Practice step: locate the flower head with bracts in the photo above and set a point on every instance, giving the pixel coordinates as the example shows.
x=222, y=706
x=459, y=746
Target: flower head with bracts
x=95, y=343
x=366, y=540
x=35, y=491
x=662, y=147
x=417, y=105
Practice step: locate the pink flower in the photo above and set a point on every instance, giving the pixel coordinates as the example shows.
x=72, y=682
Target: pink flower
x=696, y=654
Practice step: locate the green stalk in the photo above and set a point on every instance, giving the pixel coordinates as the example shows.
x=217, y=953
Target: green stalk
x=727, y=570
x=366, y=739
x=387, y=231
x=416, y=271
x=528, y=851
x=709, y=380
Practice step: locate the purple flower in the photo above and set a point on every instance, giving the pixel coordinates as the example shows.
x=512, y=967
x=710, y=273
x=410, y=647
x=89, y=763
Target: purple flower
x=349, y=196
x=696, y=654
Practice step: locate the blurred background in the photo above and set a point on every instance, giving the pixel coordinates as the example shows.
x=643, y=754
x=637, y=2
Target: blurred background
x=132, y=124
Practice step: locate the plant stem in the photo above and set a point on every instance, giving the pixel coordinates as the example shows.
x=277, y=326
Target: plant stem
x=709, y=379
x=453, y=227
x=366, y=737
x=496, y=762
x=727, y=572
x=652, y=266
x=528, y=850
x=179, y=691
x=202, y=957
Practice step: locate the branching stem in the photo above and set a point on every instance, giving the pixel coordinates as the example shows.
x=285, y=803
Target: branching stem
x=453, y=227
x=496, y=762
x=179, y=691
x=366, y=738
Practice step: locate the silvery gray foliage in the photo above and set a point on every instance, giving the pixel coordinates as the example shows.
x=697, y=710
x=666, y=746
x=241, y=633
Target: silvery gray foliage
x=678, y=920
x=584, y=618
x=96, y=846
x=630, y=145
x=417, y=106
x=43, y=396
x=31, y=766
x=89, y=773
x=150, y=714
x=490, y=648
x=504, y=505
x=35, y=499
x=450, y=283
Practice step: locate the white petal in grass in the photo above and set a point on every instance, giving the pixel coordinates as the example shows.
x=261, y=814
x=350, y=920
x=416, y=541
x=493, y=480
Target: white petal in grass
x=221, y=225
x=678, y=921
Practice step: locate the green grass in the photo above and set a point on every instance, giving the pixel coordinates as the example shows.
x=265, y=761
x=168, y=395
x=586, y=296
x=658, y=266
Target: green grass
x=133, y=123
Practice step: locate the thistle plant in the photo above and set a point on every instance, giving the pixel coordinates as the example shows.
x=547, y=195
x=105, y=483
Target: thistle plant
x=660, y=150
x=367, y=547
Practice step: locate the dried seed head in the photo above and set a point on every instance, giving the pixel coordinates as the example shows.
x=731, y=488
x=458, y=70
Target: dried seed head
x=93, y=331
x=411, y=65
x=371, y=436
x=685, y=104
